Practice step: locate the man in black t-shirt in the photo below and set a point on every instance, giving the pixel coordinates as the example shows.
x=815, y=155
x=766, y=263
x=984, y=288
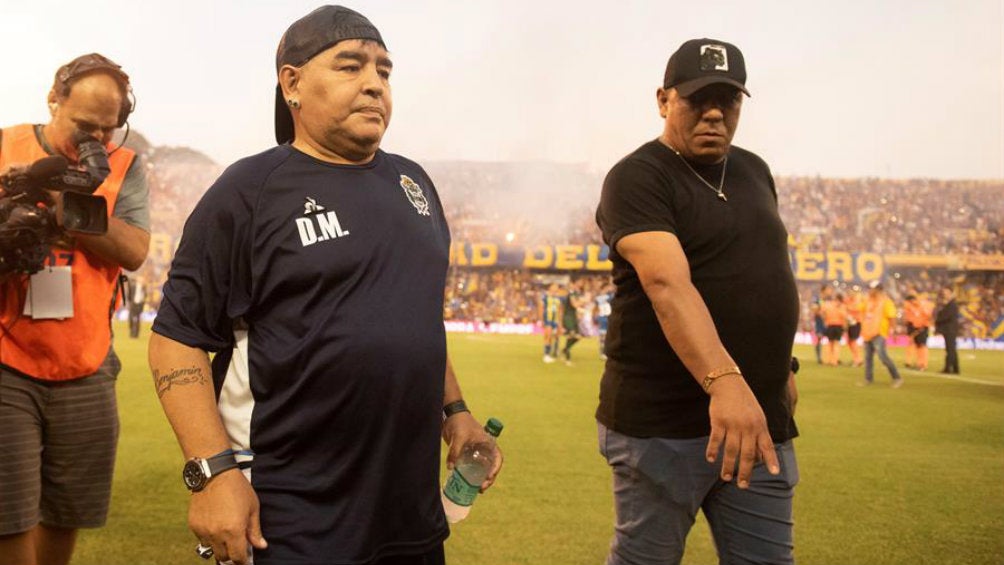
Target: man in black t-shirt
x=295, y=268
x=701, y=330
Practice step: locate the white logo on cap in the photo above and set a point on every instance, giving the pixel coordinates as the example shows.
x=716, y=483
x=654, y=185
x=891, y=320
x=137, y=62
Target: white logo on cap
x=714, y=58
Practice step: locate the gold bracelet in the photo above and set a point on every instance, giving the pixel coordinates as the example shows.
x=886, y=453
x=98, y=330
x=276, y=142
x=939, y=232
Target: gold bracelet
x=719, y=373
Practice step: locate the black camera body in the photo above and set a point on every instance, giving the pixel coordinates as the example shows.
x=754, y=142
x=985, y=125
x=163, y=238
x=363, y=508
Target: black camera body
x=32, y=218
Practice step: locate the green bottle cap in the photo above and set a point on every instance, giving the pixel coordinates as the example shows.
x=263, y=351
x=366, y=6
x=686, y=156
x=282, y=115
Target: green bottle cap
x=494, y=427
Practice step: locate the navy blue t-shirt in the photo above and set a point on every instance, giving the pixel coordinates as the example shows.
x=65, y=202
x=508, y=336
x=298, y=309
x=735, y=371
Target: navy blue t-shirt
x=325, y=283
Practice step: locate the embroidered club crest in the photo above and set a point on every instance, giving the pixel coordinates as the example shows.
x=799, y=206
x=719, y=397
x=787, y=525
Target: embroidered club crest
x=415, y=195
x=714, y=58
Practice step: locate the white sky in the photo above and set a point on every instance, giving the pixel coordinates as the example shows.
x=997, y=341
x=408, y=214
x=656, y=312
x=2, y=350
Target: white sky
x=853, y=88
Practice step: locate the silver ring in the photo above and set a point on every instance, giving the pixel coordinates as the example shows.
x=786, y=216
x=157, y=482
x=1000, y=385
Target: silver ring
x=204, y=551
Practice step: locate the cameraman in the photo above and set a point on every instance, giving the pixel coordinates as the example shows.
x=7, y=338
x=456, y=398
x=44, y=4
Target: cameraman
x=57, y=368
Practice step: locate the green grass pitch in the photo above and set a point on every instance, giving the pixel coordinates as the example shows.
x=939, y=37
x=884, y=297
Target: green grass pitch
x=909, y=476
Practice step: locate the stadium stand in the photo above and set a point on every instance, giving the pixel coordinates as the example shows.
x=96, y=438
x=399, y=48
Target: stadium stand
x=927, y=233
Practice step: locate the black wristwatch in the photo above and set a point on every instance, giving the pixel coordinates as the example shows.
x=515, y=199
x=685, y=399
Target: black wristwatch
x=454, y=408
x=197, y=472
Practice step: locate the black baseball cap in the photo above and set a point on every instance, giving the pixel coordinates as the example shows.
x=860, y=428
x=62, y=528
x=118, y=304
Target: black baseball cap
x=700, y=62
x=308, y=36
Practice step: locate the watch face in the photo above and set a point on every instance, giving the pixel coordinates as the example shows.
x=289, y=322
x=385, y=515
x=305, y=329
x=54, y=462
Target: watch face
x=195, y=478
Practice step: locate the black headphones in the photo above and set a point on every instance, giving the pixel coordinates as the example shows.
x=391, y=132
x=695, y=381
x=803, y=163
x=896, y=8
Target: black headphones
x=86, y=64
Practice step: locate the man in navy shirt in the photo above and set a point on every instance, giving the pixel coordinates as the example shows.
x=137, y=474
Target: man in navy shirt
x=289, y=269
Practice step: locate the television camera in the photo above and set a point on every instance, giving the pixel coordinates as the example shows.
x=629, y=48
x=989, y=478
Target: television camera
x=49, y=199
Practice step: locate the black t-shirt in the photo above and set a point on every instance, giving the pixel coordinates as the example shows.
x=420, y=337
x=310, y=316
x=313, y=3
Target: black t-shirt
x=738, y=257
x=325, y=284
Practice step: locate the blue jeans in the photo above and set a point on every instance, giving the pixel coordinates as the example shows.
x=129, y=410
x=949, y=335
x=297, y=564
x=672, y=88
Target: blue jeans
x=877, y=345
x=660, y=484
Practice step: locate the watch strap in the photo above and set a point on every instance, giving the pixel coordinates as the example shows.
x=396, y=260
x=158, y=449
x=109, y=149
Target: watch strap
x=223, y=461
x=455, y=408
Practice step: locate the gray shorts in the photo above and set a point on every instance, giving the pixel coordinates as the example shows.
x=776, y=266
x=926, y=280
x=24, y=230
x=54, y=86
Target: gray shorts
x=660, y=484
x=57, y=450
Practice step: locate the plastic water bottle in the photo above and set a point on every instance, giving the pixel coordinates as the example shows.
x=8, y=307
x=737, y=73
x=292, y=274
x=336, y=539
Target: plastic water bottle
x=471, y=468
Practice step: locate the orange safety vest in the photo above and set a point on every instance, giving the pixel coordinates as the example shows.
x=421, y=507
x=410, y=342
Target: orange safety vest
x=878, y=316
x=918, y=312
x=834, y=313
x=61, y=350
x=854, y=305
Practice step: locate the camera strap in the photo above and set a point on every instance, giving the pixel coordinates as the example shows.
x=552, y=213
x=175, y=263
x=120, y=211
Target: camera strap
x=121, y=293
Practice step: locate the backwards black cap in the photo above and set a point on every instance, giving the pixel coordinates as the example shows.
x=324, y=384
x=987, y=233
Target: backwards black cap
x=308, y=36
x=700, y=62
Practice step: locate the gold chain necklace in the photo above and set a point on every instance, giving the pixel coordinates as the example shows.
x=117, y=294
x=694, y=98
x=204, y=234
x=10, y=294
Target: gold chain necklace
x=720, y=190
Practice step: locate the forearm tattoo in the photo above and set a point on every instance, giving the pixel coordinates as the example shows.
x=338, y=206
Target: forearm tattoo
x=177, y=377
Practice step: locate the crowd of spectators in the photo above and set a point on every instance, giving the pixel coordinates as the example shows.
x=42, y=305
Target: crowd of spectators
x=510, y=296
x=534, y=203
x=520, y=203
x=545, y=203
x=555, y=204
x=177, y=177
x=916, y=216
